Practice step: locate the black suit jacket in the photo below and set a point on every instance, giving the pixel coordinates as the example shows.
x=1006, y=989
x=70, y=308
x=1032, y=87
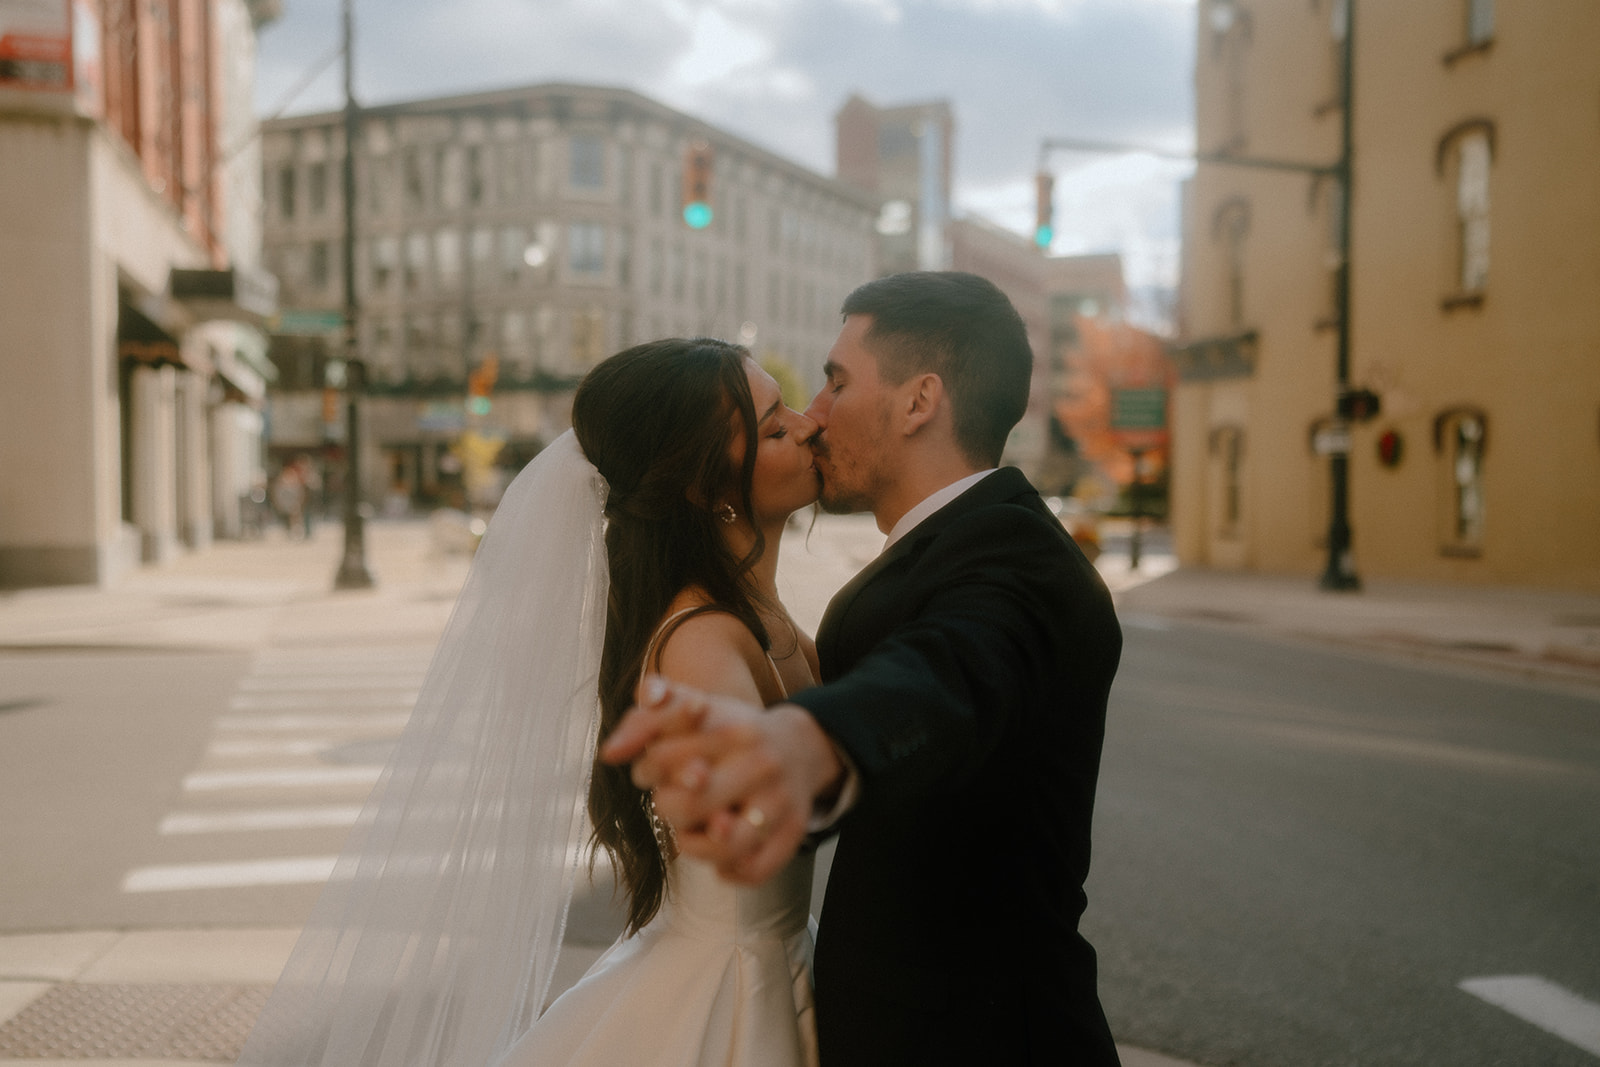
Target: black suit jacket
x=966, y=673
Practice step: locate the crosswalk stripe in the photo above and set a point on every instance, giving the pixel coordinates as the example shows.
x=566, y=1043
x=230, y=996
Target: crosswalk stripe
x=290, y=701
x=372, y=720
x=210, y=822
x=1543, y=1003
x=205, y=781
x=292, y=871
x=315, y=683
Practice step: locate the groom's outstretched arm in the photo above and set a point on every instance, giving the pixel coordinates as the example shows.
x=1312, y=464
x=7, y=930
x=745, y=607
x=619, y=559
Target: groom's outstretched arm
x=738, y=782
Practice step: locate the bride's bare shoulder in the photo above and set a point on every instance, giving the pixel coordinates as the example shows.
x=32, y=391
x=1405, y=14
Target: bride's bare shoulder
x=710, y=650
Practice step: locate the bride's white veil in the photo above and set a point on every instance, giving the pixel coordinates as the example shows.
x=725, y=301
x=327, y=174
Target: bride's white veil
x=434, y=942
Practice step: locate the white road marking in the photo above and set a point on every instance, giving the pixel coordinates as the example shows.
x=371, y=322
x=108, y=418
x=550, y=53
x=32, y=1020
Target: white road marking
x=294, y=871
x=206, y=781
x=368, y=720
x=1548, y=1006
x=402, y=698
x=269, y=747
x=311, y=683
x=221, y=822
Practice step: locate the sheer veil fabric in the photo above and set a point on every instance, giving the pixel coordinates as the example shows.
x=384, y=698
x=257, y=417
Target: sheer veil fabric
x=435, y=940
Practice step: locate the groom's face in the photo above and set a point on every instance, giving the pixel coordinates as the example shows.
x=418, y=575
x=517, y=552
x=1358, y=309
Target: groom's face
x=852, y=442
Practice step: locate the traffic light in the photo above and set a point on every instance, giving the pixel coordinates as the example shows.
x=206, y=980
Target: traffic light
x=697, y=163
x=1044, y=232
x=480, y=383
x=1358, y=405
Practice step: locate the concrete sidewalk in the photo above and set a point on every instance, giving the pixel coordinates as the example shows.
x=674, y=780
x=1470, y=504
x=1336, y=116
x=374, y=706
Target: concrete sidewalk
x=84, y=994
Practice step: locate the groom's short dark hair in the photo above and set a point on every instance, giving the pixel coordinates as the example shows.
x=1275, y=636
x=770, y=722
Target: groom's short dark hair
x=962, y=328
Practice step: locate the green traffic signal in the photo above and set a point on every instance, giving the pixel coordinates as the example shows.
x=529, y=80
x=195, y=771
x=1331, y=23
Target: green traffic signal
x=1043, y=236
x=697, y=215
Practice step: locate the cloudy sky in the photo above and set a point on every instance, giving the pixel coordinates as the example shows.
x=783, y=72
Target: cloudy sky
x=775, y=71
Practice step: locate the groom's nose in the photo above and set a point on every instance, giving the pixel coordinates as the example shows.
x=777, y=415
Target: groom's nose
x=818, y=411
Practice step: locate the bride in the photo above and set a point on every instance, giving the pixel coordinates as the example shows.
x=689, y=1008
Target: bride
x=643, y=540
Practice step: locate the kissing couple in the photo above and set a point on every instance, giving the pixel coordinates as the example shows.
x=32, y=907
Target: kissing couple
x=620, y=674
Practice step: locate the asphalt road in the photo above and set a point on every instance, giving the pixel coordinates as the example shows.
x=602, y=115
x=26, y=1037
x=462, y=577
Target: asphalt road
x=1300, y=854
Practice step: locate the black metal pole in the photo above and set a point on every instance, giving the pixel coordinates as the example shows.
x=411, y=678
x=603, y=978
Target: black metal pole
x=353, y=573
x=1340, y=574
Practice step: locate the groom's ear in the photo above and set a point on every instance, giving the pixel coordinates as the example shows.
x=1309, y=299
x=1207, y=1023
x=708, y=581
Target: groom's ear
x=922, y=400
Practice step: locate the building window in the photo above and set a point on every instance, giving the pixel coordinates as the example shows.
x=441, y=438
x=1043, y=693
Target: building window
x=657, y=191
x=411, y=178
x=588, y=337
x=1230, y=225
x=1460, y=437
x=586, y=165
x=317, y=188
x=384, y=260
x=475, y=185
x=514, y=250
x=1471, y=146
x=416, y=259
x=319, y=270
x=625, y=258
x=286, y=191
x=586, y=248
x=1480, y=21
x=1230, y=40
x=447, y=256
x=482, y=251
x=1227, y=455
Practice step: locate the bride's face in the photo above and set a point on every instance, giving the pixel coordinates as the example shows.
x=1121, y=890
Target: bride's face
x=785, y=478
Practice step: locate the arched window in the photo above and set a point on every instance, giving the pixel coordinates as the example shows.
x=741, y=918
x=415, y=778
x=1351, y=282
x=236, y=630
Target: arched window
x=1465, y=153
x=1229, y=225
x=1227, y=459
x=1461, y=438
x=1230, y=38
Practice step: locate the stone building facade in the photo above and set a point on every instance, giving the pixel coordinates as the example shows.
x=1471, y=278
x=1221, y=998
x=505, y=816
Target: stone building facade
x=534, y=231
x=1474, y=270
x=130, y=419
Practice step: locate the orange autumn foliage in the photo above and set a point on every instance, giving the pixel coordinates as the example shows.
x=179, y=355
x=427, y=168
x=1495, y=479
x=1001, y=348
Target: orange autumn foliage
x=1110, y=356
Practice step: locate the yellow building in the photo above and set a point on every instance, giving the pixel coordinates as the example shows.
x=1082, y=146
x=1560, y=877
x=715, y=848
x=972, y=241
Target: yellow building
x=1474, y=291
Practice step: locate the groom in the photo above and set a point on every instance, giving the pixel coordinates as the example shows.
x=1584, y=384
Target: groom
x=955, y=742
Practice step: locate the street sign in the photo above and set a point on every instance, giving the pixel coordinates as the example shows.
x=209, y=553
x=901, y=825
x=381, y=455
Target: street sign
x=1139, y=409
x=309, y=323
x=1331, y=440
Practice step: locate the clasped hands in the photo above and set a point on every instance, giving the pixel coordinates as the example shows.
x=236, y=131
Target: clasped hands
x=738, y=783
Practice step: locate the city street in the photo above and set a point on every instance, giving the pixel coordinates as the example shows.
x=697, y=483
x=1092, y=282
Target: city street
x=1303, y=849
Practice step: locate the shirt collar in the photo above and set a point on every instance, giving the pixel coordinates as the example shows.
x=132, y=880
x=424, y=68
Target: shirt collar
x=932, y=503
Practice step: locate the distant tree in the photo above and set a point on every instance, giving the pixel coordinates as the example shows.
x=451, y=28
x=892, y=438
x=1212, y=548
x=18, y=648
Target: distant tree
x=1110, y=356
x=790, y=386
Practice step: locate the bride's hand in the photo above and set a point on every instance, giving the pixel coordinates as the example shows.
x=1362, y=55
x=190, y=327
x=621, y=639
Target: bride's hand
x=737, y=782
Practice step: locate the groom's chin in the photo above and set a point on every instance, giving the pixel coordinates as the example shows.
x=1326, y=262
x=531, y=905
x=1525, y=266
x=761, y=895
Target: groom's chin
x=835, y=505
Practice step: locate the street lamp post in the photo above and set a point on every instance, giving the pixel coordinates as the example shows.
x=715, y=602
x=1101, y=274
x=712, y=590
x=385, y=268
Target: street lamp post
x=353, y=573
x=1339, y=574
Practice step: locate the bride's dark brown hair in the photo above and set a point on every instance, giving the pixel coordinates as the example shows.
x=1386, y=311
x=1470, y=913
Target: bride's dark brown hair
x=657, y=421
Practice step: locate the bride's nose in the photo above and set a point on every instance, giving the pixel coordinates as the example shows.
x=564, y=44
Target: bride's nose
x=805, y=429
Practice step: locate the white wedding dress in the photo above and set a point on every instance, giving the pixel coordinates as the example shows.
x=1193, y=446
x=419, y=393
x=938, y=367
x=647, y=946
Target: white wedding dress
x=721, y=977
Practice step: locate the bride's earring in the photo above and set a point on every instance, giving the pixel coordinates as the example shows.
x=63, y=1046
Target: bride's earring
x=726, y=514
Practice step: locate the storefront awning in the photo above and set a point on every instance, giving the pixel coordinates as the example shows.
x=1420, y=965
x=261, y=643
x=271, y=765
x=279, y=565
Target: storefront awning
x=237, y=294
x=1209, y=358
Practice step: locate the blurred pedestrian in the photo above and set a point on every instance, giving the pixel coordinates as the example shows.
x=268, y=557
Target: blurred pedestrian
x=289, y=498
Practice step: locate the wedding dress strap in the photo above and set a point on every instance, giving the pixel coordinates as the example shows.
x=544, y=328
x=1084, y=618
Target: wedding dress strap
x=657, y=638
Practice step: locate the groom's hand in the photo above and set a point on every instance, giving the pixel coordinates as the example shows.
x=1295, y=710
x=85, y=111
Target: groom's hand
x=737, y=782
